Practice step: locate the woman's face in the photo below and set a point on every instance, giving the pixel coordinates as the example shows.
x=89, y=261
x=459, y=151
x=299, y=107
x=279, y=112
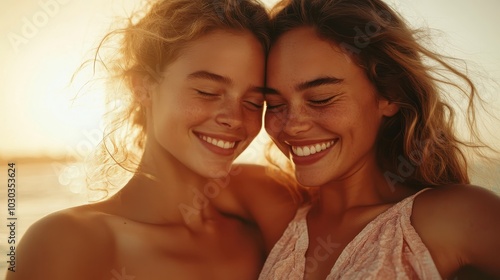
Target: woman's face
x=208, y=107
x=322, y=112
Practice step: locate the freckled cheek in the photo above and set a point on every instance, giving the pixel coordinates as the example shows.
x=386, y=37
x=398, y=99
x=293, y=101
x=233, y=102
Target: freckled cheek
x=252, y=121
x=328, y=116
x=196, y=112
x=324, y=116
x=274, y=124
x=337, y=120
x=361, y=126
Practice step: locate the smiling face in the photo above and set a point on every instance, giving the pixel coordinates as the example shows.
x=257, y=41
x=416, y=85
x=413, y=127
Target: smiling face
x=322, y=110
x=208, y=107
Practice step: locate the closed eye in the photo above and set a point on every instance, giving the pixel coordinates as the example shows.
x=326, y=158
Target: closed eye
x=271, y=108
x=321, y=101
x=255, y=105
x=207, y=94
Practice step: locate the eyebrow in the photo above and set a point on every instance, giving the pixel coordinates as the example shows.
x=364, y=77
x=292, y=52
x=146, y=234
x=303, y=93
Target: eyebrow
x=269, y=91
x=309, y=84
x=318, y=82
x=210, y=76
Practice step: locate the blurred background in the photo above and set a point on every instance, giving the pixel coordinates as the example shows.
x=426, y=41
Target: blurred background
x=47, y=133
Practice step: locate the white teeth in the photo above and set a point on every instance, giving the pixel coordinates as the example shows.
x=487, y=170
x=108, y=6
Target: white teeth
x=219, y=143
x=313, y=150
x=305, y=151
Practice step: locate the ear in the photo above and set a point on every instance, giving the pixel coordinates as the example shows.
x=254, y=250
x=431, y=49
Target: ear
x=388, y=108
x=142, y=89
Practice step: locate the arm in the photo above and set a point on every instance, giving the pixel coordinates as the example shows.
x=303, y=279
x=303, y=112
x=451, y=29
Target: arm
x=460, y=225
x=481, y=231
x=59, y=247
x=270, y=204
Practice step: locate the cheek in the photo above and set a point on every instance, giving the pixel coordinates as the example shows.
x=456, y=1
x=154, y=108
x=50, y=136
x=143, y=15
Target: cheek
x=161, y=114
x=334, y=117
x=369, y=116
x=172, y=115
x=194, y=111
x=274, y=123
x=253, y=122
x=363, y=127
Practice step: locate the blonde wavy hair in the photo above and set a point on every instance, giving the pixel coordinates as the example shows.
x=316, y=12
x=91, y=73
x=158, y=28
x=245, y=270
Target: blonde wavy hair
x=151, y=39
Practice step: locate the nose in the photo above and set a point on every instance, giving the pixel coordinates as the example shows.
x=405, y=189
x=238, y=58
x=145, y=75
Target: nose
x=297, y=121
x=230, y=115
x=292, y=121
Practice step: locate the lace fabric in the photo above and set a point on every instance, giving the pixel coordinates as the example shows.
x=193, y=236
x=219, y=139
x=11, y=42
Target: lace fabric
x=387, y=248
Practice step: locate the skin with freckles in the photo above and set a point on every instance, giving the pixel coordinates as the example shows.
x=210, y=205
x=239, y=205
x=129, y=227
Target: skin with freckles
x=324, y=113
x=217, y=96
x=197, y=217
x=330, y=101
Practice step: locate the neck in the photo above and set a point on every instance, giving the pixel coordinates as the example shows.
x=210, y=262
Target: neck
x=164, y=191
x=364, y=187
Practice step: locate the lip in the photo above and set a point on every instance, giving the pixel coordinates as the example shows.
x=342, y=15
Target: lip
x=307, y=160
x=216, y=149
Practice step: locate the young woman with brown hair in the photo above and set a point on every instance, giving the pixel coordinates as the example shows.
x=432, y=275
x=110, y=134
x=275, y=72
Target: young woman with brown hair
x=360, y=106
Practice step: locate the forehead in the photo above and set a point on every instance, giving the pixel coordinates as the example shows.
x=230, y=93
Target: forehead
x=223, y=40
x=222, y=50
x=301, y=55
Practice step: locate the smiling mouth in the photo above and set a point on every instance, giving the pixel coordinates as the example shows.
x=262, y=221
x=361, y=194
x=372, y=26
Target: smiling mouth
x=218, y=142
x=304, y=151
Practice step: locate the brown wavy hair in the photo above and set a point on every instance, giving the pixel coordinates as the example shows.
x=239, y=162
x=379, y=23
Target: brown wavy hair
x=150, y=40
x=421, y=137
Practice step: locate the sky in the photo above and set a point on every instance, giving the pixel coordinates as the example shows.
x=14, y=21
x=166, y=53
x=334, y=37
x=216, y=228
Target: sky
x=43, y=42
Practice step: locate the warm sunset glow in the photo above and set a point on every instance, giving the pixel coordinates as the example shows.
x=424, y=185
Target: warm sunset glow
x=42, y=124
x=45, y=42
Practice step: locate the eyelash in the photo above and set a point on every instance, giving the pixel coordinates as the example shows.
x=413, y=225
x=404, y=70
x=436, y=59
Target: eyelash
x=322, y=101
x=213, y=95
x=255, y=105
x=275, y=107
x=206, y=93
x=312, y=102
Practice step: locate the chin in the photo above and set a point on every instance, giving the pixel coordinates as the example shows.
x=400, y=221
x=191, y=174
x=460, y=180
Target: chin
x=310, y=179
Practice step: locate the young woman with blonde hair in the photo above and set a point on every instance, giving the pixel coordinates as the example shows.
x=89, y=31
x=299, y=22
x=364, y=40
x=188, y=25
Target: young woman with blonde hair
x=193, y=72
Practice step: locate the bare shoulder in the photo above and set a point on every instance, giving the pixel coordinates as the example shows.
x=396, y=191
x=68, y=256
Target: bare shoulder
x=266, y=199
x=458, y=198
x=457, y=203
x=258, y=179
x=460, y=225
x=69, y=244
x=254, y=186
